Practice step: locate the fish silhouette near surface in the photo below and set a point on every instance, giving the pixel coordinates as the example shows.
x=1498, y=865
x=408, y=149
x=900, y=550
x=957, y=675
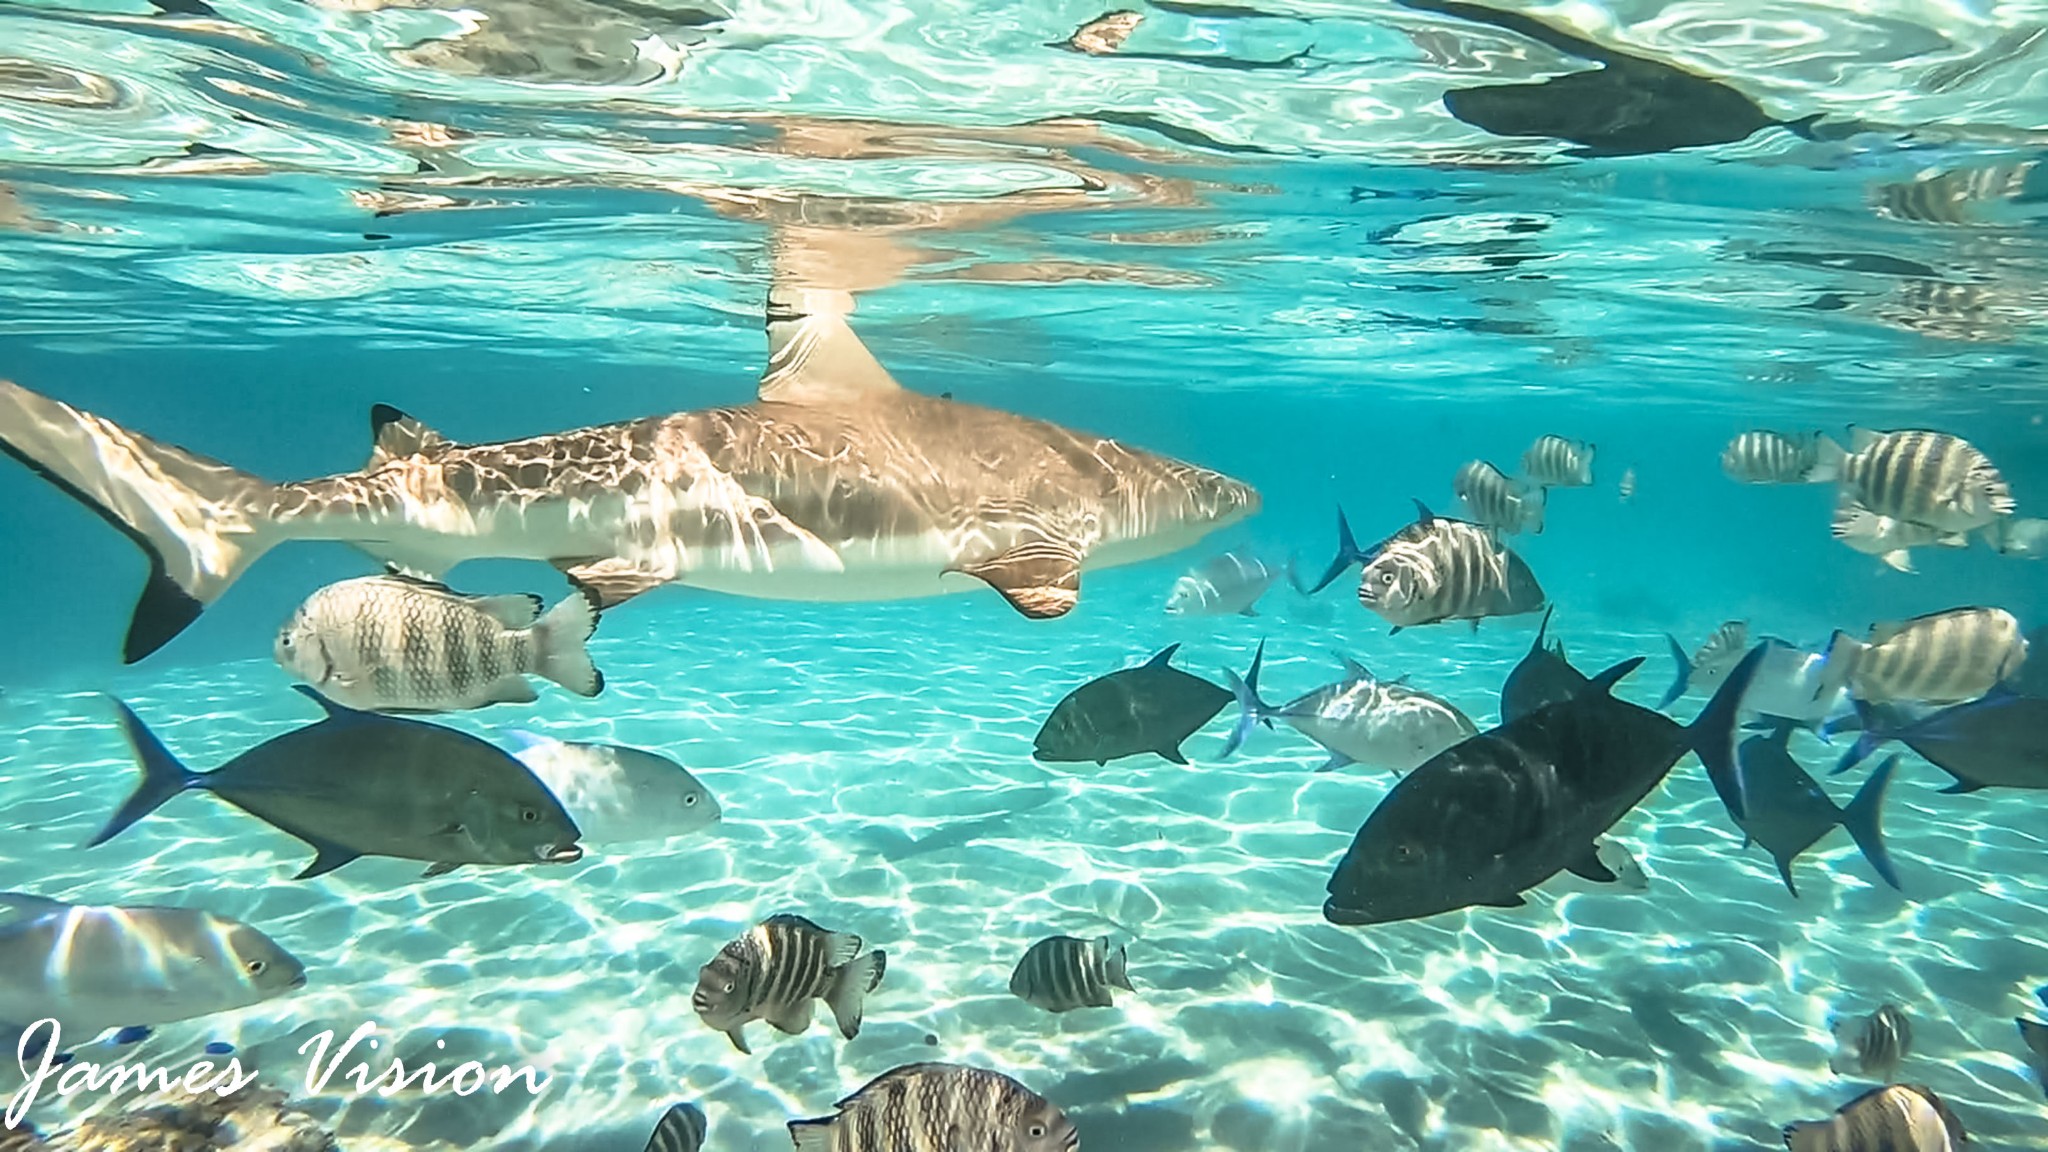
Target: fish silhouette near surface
x=1788, y=812
x=1543, y=676
x=1506, y=810
x=836, y=484
x=364, y=784
x=1150, y=708
x=1895, y=1118
x=1629, y=106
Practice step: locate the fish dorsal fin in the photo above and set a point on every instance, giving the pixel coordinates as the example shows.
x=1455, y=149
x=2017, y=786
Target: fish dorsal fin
x=1861, y=438
x=1542, y=630
x=1422, y=513
x=394, y=572
x=395, y=436
x=340, y=713
x=1164, y=658
x=1605, y=681
x=1884, y=630
x=1353, y=668
x=813, y=355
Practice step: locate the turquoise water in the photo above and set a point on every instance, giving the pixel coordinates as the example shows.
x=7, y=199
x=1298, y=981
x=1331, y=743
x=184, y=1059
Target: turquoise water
x=1308, y=277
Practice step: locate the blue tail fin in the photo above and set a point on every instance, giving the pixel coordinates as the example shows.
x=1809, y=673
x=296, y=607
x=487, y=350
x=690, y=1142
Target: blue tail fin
x=1684, y=680
x=1869, y=740
x=1713, y=734
x=162, y=777
x=1864, y=819
x=1251, y=709
x=1348, y=553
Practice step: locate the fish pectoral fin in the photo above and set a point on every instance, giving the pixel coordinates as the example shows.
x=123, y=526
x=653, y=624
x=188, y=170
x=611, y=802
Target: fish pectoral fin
x=438, y=868
x=1337, y=760
x=1040, y=577
x=611, y=581
x=1172, y=753
x=1587, y=866
x=326, y=858
x=739, y=1039
x=1898, y=559
x=793, y=1018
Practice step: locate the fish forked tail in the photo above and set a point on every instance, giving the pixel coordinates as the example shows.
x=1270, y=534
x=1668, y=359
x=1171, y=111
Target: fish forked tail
x=559, y=638
x=1713, y=733
x=200, y=522
x=1864, y=818
x=1875, y=732
x=1251, y=709
x=1827, y=463
x=1683, y=682
x=162, y=777
x=1348, y=553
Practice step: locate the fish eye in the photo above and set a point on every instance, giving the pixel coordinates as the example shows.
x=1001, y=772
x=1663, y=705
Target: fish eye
x=690, y=801
x=529, y=815
x=1404, y=852
x=728, y=987
x=256, y=967
x=1037, y=1131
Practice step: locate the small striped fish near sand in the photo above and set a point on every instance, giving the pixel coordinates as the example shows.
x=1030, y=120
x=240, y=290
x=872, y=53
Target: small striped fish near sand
x=1062, y=973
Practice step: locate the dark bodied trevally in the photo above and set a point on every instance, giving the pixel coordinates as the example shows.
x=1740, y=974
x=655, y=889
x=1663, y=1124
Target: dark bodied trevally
x=2000, y=741
x=1543, y=677
x=1150, y=708
x=1508, y=809
x=1788, y=812
x=363, y=784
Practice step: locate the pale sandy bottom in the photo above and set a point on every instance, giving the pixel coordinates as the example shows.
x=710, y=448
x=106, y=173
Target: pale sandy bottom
x=1689, y=1017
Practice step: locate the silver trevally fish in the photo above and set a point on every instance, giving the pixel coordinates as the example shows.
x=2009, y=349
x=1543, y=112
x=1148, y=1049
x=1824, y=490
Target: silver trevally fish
x=365, y=784
x=1496, y=501
x=1704, y=670
x=1227, y=585
x=616, y=794
x=395, y=644
x=94, y=968
x=1555, y=462
x=1929, y=478
x=1360, y=719
x=950, y=1107
x=835, y=484
x=1940, y=658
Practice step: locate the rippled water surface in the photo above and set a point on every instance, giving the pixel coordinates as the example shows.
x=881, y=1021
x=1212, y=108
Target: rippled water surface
x=1259, y=237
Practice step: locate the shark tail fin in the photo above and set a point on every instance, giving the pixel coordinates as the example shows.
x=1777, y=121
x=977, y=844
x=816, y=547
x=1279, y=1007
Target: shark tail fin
x=201, y=523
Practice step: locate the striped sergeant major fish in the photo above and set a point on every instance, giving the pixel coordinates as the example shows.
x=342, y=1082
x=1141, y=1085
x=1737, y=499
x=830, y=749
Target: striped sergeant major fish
x=681, y=1129
x=834, y=484
x=1940, y=658
x=1704, y=670
x=1438, y=569
x=395, y=644
x=1873, y=1045
x=778, y=970
x=939, y=1106
x=1895, y=1118
x=1929, y=478
x=1496, y=501
x=1761, y=456
x=1953, y=197
x=1062, y=973
x=1555, y=462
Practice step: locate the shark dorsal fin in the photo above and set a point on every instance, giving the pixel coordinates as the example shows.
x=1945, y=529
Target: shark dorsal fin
x=813, y=355
x=395, y=436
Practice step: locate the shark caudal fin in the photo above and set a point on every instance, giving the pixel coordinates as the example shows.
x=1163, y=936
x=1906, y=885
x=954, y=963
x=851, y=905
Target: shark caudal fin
x=200, y=522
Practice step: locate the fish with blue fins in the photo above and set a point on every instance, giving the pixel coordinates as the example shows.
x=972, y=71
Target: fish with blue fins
x=1151, y=708
x=1999, y=741
x=1360, y=719
x=1496, y=815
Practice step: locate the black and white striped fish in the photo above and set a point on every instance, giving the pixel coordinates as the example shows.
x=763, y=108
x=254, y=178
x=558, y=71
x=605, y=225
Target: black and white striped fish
x=1555, y=462
x=1873, y=1045
x=1704, y=670
x=778, y=970
x=1761, y=456
x=1940, y=658
x=1439, y=569
x=1895, y=1118
x=1887, y=538
x=682, y=1129
x=1494, y=500
x=939, y=1107
x=395, y=644
x=1062, y=973
x=1929, y=478
x=1949, y=197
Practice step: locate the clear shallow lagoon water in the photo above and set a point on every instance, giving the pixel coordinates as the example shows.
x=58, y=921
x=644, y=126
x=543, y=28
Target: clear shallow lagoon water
x=1339, y=297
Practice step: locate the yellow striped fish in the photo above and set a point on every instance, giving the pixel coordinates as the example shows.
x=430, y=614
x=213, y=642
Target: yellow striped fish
x=1062, y=973
x=1895, y=1118
x=778, y=970
x=1941, y=658
x=1555, y=462
x=1929, y=478
x=1496, y=501
x=1439, y=569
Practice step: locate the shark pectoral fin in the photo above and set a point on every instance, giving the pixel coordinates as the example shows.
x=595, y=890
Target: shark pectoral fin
x=1040, y=578
x=612, y=581
x=813, y=355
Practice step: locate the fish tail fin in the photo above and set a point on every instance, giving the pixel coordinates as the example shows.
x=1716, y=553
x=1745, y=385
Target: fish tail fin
x=1869, y=740
x=1348, y=553
x=201, y=523
x=1251, y=709
x=849, y=992
x=1713, y=733
x=560, y=638
x=1827, y=462
x=1683, y=680
x=162, y=777
x=1116, y=965
x=1864, y=819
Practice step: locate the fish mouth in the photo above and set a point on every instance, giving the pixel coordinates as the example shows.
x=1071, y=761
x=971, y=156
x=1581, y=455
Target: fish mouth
x=1337, y=913
x=298, y=981
x=562, y=854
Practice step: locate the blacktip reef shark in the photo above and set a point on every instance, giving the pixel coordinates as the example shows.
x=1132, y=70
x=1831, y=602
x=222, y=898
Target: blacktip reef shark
x=835, y=484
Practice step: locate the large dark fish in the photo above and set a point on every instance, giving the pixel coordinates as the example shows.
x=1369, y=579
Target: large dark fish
x=2000, y=741
x=1895, y=1118
x=1508, y=809
x=1788, y=812
x=362, y=784
x=1629, y=106
x=1543, y=677
x=1150, y=708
